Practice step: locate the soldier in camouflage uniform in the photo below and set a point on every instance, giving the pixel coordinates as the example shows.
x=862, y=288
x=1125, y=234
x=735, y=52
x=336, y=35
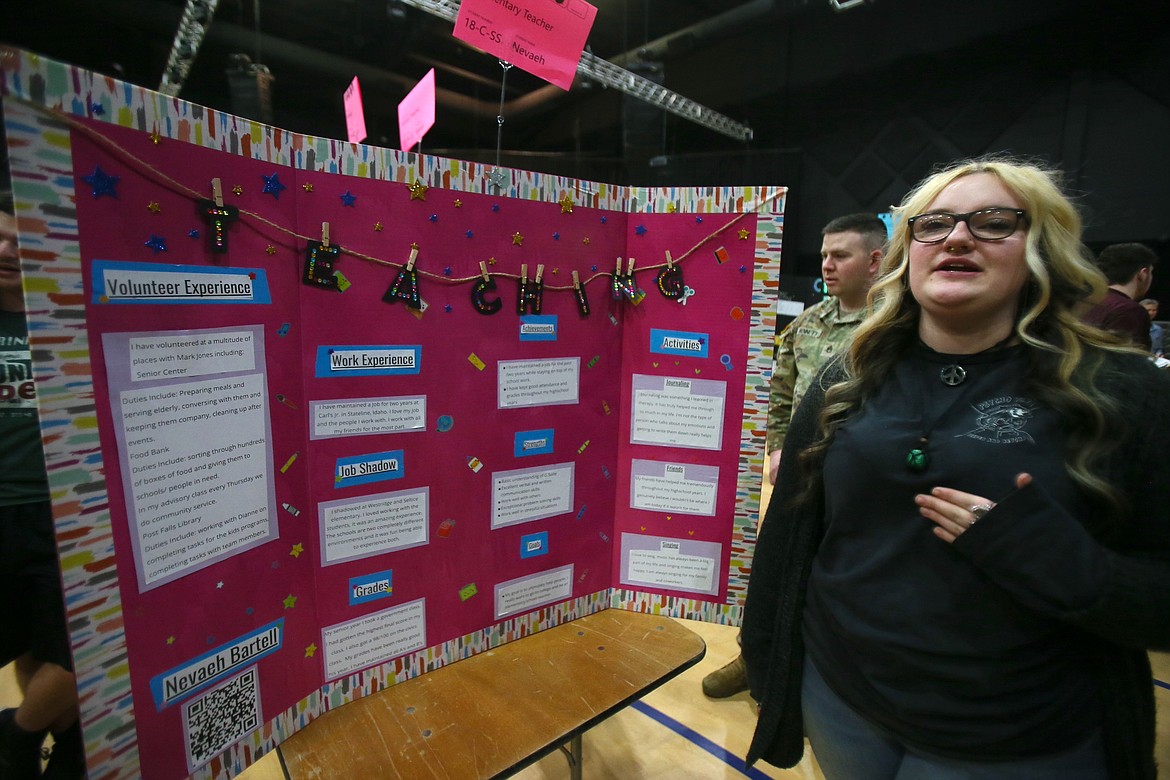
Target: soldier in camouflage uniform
x=850, y=254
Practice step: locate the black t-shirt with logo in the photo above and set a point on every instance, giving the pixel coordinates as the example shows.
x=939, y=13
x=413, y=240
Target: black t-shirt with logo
x=905, y=629
x=22, y=460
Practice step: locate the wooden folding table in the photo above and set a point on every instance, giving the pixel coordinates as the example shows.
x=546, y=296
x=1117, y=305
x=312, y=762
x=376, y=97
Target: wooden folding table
x=495, y=713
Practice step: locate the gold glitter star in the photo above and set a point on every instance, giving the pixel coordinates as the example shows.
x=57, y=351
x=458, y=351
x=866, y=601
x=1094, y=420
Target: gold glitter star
x=418, y=190
x=378, y=226
x=491, y=261
x=307, y=186
x=743, y=234
x=170, y=640
x=238, y=190
x=154, y=207
x=290, y=602
x=671, y=208
x=296, y=550
x=270, y=249
x=517, y=239
x=556, y=271
x=566, y=204
x=458, y=203
x=585, y=241
x=155, y=137
x=414, y=245
x=311, y=650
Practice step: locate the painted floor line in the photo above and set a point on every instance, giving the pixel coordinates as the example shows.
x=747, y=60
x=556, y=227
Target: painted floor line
x=732, y=760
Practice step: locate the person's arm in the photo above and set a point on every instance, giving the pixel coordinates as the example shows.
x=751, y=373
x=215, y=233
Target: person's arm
x=774, y=549
x=1115, y=580
x=782, y=535
x=780, y=398
x=1047, y=560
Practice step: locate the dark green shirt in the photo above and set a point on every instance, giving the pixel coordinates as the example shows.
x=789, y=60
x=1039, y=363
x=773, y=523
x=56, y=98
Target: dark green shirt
x=22, y=460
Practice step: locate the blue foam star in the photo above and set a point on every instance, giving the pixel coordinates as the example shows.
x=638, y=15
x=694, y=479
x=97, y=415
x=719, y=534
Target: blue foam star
x=347, y=198
x=272, y=185
x=448, y=308
x=433, y=217
x=469, y=234
x=593, y=268
x=604, y=220
x=157, y=243
x=495, y=207
x=640, y=230
x=193, y=233
x=743, y=269
x=447, y=271
x=698, y=220
x=102, y=182
x=556, y=236
x=97, y=109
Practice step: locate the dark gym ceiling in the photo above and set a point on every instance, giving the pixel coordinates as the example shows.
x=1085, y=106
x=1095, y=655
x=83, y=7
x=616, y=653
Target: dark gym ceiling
x=783, y=67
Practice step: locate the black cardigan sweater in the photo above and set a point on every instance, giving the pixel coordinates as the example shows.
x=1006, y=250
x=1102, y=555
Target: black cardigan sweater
x=1129, y=615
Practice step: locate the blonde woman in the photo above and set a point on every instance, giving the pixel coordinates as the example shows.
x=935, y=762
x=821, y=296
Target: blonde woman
x=968, y=550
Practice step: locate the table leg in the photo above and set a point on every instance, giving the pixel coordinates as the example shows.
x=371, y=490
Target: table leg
x=572, y=753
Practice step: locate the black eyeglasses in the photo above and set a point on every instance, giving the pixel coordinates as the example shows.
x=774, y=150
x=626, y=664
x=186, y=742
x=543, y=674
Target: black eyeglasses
x=994, y=224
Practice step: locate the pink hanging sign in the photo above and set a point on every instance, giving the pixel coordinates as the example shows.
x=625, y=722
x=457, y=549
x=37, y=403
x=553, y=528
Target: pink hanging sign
x=416, y=112
x=355, y=116
x=543, y=37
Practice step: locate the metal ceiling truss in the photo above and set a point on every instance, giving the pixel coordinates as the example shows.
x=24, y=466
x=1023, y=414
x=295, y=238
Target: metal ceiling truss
x=606, y=73
x=188, y=38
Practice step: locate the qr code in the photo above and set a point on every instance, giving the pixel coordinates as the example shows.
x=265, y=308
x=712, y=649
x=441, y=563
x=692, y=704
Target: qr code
x=221, y=717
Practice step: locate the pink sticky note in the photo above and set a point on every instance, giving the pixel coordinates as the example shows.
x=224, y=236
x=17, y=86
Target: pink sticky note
x=355, y=116
x=543, y=37
x=416, y=112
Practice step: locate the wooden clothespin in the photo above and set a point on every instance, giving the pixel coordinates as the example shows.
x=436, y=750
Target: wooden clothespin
x=325, y=234
x=483, y=271
x=217, y=193
x=539, y=272
x=413, y=257
x=619, y=267
x=576, y=281
x=669, y=260
x=524, y=273
x=630, y=268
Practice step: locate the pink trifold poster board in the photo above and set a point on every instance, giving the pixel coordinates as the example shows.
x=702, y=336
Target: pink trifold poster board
x=291, y=469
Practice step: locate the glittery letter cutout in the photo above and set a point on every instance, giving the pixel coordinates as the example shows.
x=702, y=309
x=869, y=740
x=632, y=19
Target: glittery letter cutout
x=670, y=282
x=531, y=293
x=481, y=304
x=582, y=299
x=218, y=217
x=624, y=286
x=404, y=288
x=319, y=265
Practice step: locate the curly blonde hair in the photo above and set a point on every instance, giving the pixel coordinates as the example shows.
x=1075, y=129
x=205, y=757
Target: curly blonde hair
x=1065, y=354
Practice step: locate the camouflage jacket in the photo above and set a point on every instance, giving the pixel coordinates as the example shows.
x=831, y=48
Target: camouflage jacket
x=817, y=334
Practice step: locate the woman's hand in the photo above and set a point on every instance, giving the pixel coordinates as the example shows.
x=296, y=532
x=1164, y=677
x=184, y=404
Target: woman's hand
x=954, y=512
